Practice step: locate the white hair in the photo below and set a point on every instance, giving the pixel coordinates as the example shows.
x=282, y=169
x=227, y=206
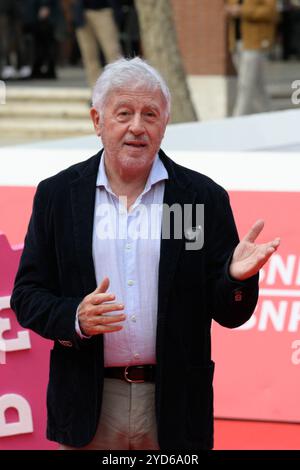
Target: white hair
x=128, y=73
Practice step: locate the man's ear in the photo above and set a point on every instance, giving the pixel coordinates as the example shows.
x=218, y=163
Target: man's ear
x=95, y=116
x=168, y=119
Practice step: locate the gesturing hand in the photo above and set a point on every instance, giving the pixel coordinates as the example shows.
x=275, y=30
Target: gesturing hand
x=249, y=257
x=93, y=310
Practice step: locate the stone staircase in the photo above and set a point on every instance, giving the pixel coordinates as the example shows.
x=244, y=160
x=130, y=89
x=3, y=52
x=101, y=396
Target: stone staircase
x=44, y=112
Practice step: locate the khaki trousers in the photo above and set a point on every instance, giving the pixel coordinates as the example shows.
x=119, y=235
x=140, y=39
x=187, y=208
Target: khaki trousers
x=99, y=30
x=127, y=420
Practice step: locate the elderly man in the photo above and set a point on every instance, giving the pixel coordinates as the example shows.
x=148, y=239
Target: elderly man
x=127, y=297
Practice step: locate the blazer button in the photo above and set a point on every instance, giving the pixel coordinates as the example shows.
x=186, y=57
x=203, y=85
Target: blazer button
x=238, y=296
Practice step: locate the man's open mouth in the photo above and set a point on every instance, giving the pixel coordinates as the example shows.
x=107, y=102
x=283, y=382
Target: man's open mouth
x=136, y=144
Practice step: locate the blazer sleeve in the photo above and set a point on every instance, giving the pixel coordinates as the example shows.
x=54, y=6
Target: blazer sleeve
x=36, y=297
x=233, y=302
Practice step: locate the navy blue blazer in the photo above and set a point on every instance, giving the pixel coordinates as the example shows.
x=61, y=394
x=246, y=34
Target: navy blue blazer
x=56, y=271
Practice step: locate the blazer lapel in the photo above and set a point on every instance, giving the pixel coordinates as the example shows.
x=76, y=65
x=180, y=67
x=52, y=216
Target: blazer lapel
x=83, y=192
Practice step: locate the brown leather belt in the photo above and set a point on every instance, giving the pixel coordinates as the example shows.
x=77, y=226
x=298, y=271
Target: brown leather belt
x=132, y=374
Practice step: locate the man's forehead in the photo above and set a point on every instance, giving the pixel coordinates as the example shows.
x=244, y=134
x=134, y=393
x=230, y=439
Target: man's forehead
x=139, y=96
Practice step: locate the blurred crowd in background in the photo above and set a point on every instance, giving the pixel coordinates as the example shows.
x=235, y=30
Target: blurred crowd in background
x=289, y=28
x=38, y=35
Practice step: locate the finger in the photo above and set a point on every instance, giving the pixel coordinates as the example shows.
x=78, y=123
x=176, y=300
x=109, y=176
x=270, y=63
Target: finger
x=254, y=231
x=272, y=248
x=100, y=324
x=102, y=287
x=106, y=308
x=101, y=329
x=269, y=249
x=97, y=299
x=108, y=319
x=267, y=254
x=276, y=242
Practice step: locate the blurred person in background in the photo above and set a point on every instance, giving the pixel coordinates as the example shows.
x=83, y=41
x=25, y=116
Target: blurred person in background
x=252, y=28
x=290, y=29
x=129, y=28
x=14, y=54
x=44, y=20
x=96, y=29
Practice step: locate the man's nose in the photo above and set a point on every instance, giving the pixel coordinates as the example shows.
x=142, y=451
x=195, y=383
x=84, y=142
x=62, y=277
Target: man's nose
x=136, y=125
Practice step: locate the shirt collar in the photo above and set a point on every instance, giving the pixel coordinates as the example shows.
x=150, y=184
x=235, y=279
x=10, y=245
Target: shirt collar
x=157, y=173
x=102, y=177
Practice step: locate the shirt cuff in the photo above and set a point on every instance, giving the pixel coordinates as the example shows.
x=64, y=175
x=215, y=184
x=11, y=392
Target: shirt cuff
x=77, y=327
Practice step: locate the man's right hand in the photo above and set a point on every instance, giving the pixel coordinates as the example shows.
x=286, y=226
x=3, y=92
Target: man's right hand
x=93, y=312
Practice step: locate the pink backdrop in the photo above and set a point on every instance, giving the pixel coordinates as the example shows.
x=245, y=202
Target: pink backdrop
x=24, y=368
x=256, y=366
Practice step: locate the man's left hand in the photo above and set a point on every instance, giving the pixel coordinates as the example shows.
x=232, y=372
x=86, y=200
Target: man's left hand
x=248, y=257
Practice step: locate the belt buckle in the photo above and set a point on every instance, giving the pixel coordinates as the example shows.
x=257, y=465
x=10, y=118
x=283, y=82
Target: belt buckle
x=126, y=371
